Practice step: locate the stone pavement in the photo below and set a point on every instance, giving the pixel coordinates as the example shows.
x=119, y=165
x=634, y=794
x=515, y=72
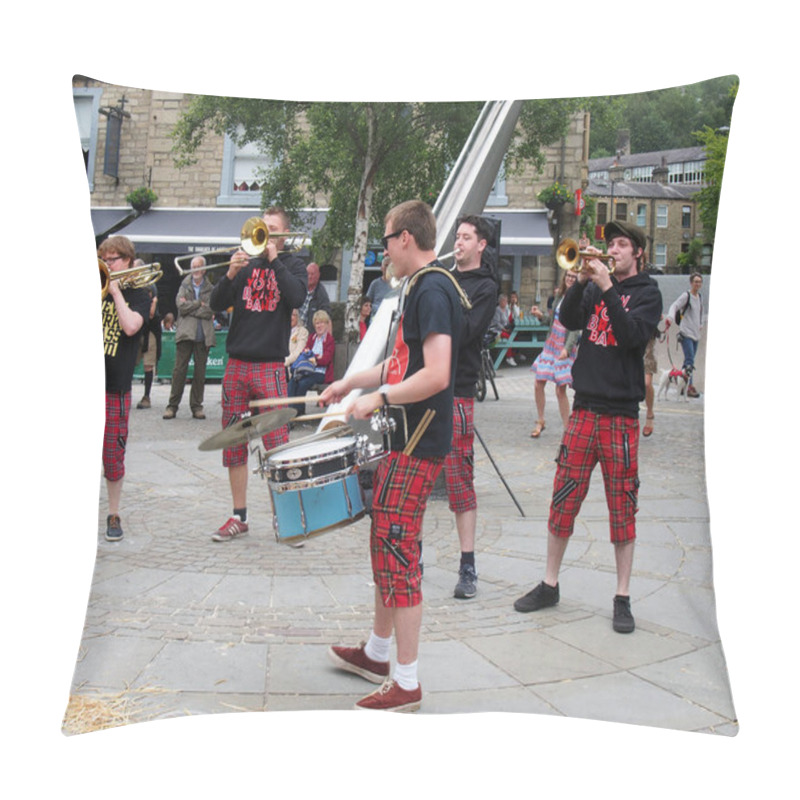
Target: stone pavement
x=182, y=625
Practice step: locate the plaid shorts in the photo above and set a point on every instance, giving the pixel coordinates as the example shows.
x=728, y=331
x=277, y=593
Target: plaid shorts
x=245, y=381
x=401, y=489
x=459, y=465
x=115, y=436
x=614, y=442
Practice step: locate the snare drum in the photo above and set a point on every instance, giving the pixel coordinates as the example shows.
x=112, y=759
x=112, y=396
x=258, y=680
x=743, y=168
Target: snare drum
x=314, y=487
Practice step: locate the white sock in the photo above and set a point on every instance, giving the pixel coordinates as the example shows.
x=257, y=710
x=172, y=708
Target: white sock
x=405, y=676
x=377, y=648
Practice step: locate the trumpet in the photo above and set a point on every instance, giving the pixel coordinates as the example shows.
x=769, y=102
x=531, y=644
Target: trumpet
x=254, y=238
x=570, y=256
x=133, y=278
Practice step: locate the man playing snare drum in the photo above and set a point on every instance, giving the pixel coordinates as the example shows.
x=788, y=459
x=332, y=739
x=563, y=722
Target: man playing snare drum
x=419, y=375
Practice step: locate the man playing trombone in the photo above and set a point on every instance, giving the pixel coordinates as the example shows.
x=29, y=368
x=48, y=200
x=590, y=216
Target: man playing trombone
x=262, y=291
x=124, y=311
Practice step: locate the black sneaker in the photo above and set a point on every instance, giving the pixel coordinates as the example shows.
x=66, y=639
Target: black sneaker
x=113, y=528
x=467, y=585
x=542, y=596
x=623, y=619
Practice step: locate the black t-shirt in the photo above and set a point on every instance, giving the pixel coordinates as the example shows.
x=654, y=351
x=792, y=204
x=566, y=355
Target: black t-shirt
x=431, y=306
x=119, y=349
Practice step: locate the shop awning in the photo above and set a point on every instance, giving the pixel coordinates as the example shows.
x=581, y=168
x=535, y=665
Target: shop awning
x=189, y=230
x=523, y=232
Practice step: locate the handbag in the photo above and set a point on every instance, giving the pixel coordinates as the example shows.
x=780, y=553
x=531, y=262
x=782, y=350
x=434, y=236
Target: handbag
x=302, y=364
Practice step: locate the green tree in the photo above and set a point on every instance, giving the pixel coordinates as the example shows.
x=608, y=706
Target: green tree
x=715, y=142
x=663, y=119
x=359, y=158
x=363, y=158
x=716, y=146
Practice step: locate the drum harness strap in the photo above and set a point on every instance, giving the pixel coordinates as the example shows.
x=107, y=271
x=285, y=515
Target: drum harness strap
x=395, y=529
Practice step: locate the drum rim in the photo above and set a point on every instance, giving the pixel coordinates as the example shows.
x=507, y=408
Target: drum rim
x=314, y=458
x=329, y=433
x=313, y=483
x=317, y=531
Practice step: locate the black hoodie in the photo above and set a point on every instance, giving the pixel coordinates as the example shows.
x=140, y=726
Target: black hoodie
x=608, y=373
x=481, y=288
x=263, y=296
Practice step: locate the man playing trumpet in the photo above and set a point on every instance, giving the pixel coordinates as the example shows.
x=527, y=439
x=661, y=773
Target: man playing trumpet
x=618, y=315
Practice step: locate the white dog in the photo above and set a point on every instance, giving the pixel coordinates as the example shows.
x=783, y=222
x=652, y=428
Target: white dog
x=673, y=377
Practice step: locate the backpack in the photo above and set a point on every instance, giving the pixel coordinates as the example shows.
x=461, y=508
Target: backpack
x=679, y=312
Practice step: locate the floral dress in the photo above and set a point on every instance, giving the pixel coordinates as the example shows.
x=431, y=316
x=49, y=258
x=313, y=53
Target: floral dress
x=548, y=366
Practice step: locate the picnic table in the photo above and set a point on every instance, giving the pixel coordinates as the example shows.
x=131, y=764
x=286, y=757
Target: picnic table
x=528, y=334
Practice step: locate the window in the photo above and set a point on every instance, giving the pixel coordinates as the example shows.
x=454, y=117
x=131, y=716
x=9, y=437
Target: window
x=87, y=105
x=241, y=166
x=690, y=172
x=661, y=255
x=639, y=174
x=602, y=213
x=621, y=212
x=662, y=216
x=641, y=215
x=686, y=216
x=497, y=195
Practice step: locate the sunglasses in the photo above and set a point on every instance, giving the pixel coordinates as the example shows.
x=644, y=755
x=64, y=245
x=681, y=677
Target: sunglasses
x=385, y=239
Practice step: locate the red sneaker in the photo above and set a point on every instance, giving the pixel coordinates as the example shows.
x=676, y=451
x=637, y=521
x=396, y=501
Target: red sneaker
x=354, y=659
x=391, y=697
x=232, y=528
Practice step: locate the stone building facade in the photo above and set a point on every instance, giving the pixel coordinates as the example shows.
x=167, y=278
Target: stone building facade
x=145, y=154
x=212, y=182
x=656, y=191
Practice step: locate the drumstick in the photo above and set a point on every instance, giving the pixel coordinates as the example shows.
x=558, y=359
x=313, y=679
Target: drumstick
x=278, y=401
x=309, y=417
x=421, y=428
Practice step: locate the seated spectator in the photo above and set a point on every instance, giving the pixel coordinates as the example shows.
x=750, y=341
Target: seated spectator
x=297, y=341
x=503, y=321
x=315, y=363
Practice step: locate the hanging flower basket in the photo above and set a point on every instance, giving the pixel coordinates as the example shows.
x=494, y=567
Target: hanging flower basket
x=555, y=196
x=141, y=199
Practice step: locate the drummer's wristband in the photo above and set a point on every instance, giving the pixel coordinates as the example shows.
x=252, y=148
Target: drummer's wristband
x=384, y=390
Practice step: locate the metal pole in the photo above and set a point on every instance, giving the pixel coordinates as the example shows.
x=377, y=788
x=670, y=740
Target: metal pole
x=508, y=488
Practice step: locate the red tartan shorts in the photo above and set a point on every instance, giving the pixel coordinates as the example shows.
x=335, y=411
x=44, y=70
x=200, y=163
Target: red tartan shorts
x=115, y=435
x=400, y=494
x=245, y=381
x=459, y=464
x=612, y=441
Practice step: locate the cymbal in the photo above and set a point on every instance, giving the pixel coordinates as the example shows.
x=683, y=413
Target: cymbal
x=248, y=428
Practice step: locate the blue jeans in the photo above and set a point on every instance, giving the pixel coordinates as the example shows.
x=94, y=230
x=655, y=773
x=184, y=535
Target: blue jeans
x=300, y=384
x=689, y=351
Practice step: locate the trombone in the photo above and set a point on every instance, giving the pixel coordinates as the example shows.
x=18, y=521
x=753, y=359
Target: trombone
x=133, y=278
x=254, y=239
x=570, y=256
